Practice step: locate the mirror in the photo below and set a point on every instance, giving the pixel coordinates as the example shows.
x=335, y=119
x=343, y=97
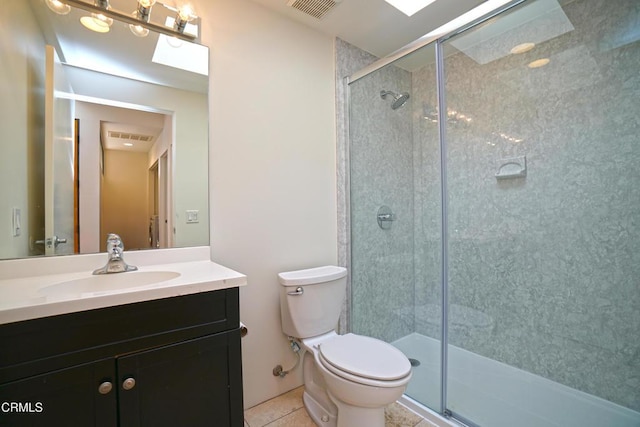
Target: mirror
x=99, y=134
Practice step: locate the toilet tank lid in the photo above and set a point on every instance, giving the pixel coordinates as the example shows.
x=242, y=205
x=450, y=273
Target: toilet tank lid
x=312, y=276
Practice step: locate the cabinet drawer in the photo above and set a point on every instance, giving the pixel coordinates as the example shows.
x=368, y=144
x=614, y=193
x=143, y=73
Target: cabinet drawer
x=40, y=345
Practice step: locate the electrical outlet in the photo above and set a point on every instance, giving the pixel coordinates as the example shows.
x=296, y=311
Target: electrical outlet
x=192, y=216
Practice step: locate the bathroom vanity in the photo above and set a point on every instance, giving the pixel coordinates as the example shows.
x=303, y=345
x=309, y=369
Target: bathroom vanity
x=170, y=356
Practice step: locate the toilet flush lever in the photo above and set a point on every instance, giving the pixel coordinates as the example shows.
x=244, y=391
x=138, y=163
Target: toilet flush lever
x=298, y=291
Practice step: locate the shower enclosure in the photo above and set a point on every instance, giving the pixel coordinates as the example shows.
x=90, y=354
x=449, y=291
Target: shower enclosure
x=494, y=214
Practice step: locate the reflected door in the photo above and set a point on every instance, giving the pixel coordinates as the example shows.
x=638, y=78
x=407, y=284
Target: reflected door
x=59, y=160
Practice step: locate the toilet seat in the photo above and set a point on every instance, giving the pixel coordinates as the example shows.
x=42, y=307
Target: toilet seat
x=364, y=360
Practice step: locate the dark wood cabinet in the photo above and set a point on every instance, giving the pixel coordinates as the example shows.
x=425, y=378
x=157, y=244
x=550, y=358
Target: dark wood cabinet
x=67, y=397
x=170, y=362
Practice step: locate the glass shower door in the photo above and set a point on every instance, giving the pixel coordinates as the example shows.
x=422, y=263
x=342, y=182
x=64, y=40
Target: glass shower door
x=395, y=215
x=543, y=195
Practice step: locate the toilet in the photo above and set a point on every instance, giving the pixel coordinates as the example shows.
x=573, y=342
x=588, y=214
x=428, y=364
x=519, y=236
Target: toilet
x=348, y=379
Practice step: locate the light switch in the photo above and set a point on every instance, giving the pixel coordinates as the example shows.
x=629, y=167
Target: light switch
x=16, y=222
x=192, y=216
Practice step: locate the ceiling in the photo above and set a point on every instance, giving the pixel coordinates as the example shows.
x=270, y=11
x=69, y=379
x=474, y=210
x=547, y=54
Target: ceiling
x=374, y=25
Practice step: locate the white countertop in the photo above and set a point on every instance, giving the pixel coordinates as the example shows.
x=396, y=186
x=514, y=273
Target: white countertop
x=24, y=294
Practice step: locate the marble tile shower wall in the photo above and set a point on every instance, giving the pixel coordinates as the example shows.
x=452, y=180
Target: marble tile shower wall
x=381, y=158
x=552, y=259
x=349, y=59
x=428, y=204
x=544, y=270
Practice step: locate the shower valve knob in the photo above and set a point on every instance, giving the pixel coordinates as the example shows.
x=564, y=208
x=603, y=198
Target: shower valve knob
x=385, y=217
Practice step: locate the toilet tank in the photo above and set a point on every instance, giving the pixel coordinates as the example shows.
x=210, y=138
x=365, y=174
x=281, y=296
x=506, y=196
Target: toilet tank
x=311, y=300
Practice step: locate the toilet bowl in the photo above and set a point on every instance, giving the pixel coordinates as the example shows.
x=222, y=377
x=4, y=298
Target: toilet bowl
x=348, y=379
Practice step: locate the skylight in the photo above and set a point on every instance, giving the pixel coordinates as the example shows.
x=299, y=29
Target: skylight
x=409, y=7
x=182, y=54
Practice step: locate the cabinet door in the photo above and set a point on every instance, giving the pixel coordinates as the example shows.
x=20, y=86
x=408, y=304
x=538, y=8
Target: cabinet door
x=68, y=397
x=185, y=384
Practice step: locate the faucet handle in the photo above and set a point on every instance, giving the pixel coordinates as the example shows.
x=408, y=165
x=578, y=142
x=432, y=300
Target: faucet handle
x=114, y=245
x=115, y=252
x=114, y=240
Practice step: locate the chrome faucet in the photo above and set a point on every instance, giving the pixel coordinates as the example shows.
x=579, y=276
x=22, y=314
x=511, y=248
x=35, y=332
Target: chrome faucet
x=115, y=252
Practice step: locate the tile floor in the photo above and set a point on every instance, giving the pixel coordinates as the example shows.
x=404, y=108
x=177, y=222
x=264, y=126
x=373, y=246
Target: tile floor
x=287, y=410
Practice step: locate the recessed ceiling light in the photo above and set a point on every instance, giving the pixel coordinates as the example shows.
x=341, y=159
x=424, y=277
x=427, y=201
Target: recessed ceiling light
x=97, y=22
x=127, y=144
x=58, y=7
x=539, y=63
x=409, y=7
x=522, y=48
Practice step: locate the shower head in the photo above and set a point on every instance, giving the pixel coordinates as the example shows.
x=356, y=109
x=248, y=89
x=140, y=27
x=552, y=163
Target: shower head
x=399, y=99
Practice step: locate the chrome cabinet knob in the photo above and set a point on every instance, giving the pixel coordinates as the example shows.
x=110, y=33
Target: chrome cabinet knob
x=105, y=387
x=129, y=383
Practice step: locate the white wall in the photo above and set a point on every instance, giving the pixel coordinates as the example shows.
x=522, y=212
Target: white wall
x=22, y=78
x=272, y=167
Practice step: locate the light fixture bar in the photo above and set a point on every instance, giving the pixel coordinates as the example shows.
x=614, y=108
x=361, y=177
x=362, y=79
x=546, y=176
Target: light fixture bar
x=128, y=19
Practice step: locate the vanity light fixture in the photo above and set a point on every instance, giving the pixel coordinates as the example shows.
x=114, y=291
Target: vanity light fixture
x=184, y=16
x=144, y=9
x=142, y=13
x=139, y=21
x=58, y=7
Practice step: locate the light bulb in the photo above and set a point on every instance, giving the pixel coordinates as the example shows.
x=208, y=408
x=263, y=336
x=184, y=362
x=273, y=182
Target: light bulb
x=144, y=9
x=186, y=13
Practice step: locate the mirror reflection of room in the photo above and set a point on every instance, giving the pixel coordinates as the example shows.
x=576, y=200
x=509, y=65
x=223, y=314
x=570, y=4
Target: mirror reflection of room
x=71, y=186
x=129, y=145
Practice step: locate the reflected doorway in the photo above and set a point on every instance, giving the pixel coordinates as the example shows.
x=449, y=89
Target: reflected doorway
x=131, y=152
x=158, y=203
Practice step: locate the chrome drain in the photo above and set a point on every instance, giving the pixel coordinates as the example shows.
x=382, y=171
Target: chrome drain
x=414, y=362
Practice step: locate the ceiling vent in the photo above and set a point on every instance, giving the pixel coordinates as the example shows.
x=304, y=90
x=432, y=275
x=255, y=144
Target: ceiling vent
x=130, y=136
x=315, y=8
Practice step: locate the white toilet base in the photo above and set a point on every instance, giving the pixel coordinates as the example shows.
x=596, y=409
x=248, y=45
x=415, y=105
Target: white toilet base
x=317, y=412
x=354, y=416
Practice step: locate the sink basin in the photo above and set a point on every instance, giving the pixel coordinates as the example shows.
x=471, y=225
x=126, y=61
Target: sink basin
x=108, y=283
